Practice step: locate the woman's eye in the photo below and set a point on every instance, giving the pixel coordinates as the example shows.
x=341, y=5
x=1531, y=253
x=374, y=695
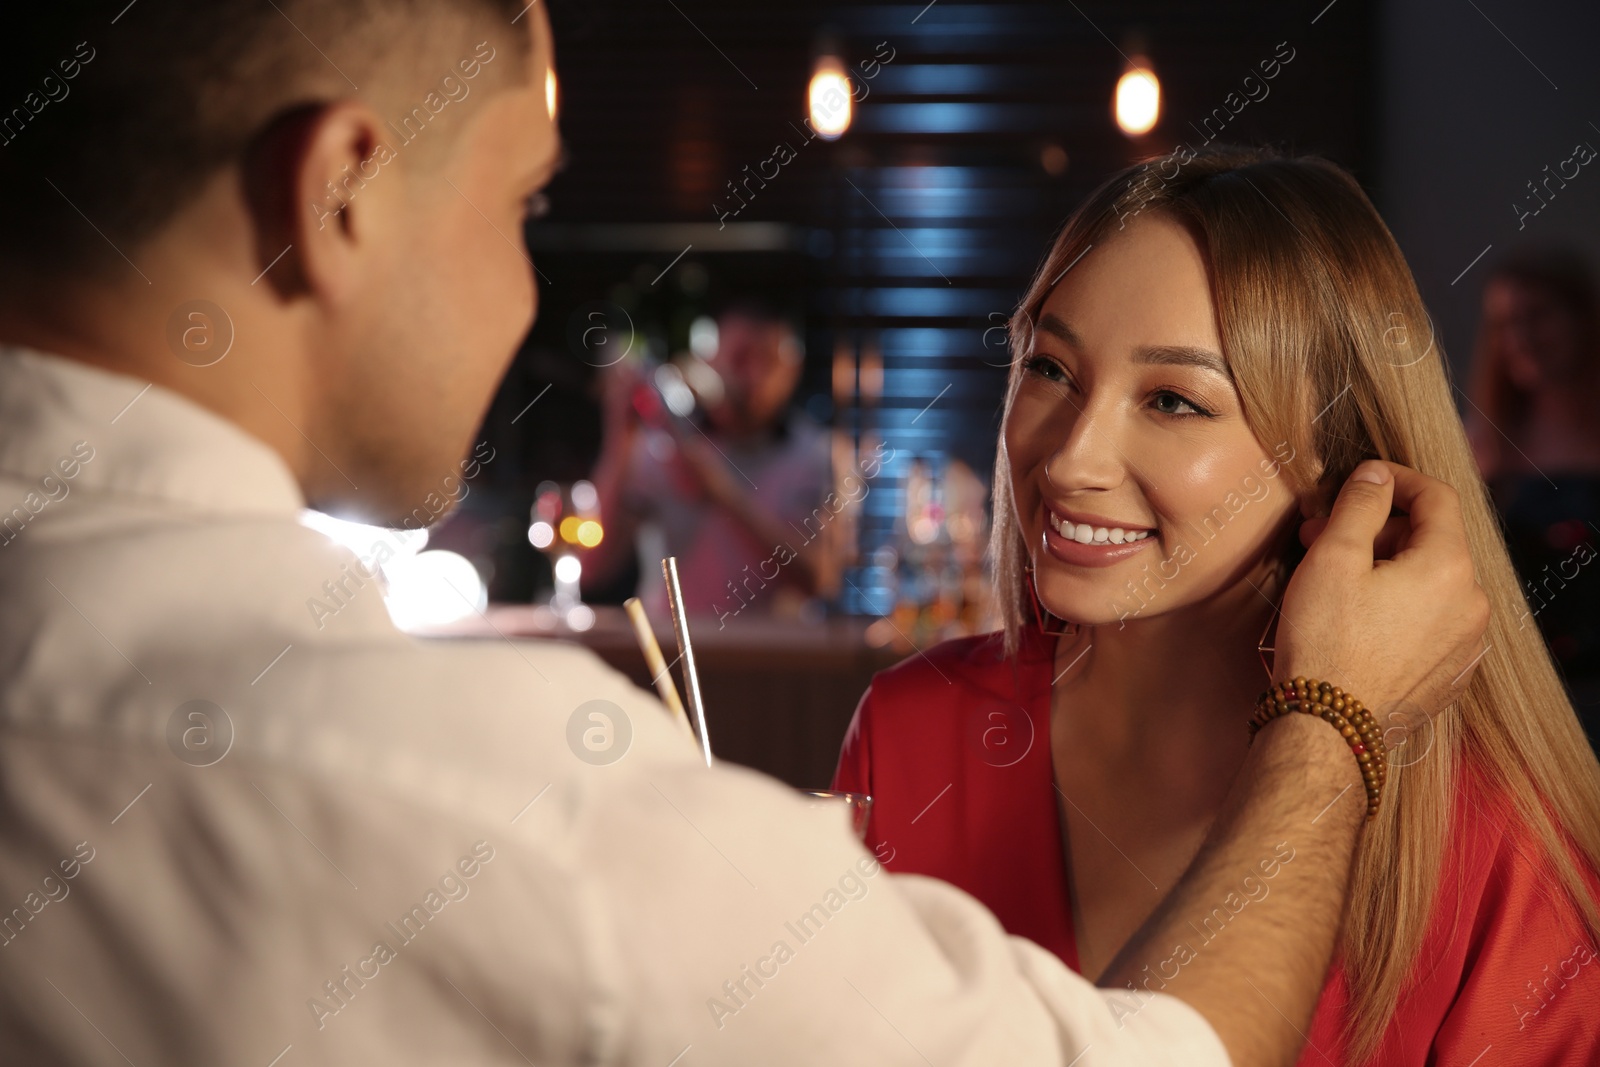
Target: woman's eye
x=1170, y=403
x=1045, y=368
x=537, y=206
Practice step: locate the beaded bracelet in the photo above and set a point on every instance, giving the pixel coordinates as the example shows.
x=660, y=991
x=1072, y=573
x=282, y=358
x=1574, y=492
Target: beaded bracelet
x=1347, y=715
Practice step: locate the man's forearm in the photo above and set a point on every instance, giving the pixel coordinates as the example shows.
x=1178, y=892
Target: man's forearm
x=1247, y=936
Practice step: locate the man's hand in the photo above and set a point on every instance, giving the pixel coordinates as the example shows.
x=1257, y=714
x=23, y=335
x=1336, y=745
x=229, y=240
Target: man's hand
x=1388, y=608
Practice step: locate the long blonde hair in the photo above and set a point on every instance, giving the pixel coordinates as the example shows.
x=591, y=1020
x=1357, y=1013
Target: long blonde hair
x=1318, y=313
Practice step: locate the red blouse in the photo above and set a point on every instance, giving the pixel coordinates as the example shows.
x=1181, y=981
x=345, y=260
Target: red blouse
x=953, y=745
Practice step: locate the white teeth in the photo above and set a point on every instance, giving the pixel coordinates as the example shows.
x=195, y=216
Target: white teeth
x=1085, y=534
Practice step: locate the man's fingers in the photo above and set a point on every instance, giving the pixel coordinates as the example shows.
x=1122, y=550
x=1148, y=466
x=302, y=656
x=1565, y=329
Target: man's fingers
x=1431, y=526
x=1388, y=542
x=1434, y=509
x=1361, y=509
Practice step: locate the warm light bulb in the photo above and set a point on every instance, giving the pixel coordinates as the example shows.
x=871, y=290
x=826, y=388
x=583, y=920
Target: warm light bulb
x=590, y=533
x=1138, y=101
x=829, y=99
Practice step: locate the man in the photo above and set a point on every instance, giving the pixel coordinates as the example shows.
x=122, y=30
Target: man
x=739, y=503
x=256, y=255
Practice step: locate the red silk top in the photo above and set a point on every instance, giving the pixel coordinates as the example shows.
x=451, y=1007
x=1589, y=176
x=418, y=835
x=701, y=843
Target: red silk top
x=954, y=747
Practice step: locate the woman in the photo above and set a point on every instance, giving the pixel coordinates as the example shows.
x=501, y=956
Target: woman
x=1535, y=388
x=1212, y=345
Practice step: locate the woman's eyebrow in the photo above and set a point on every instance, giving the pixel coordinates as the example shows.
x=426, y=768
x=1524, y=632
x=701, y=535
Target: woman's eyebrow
x=1184, y=356
x=1052, y=324
x=1174, y=355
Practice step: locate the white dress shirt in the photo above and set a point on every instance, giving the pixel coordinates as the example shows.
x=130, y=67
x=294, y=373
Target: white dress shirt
x=235, y=830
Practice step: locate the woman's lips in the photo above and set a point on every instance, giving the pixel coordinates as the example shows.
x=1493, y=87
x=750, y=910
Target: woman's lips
x=1093, y=554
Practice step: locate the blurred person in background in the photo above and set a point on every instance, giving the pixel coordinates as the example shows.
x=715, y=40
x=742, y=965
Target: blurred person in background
x=1535, y=390
x=737, y=501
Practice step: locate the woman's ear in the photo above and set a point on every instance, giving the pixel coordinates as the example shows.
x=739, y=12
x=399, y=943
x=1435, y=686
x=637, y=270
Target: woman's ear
x=1317, y=501
x=1316, y=504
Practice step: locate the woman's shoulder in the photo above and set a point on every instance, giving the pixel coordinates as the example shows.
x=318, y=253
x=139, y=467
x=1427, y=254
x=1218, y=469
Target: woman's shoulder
x=1506, y=937
x=950, y=671
x=976, y=652
x=1499, y=884
x=1487, y=841
x=1484, y=809
x=1500, y=923
x=1489, y=827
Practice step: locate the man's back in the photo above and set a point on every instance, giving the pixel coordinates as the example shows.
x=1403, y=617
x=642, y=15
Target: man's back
x=265, y=801
x=234, y=828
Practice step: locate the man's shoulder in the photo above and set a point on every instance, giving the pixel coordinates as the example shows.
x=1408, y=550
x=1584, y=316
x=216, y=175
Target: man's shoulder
x=259, y=636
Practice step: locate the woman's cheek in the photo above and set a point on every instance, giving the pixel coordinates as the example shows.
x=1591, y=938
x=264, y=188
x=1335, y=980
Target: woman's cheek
x=1024, y=432
x=1184, y=484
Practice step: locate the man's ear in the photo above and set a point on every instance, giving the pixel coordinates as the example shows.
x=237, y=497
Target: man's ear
x=306, y=181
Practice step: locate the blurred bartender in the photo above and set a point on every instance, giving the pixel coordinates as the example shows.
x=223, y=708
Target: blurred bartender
x=733, y=490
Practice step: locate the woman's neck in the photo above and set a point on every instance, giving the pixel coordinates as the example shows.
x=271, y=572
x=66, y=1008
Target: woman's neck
x=1174, y=681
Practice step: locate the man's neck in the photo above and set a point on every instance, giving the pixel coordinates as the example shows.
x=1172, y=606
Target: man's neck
x=132, y=328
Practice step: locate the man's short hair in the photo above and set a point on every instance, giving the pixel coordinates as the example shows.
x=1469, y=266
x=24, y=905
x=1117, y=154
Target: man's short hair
x=114, y=114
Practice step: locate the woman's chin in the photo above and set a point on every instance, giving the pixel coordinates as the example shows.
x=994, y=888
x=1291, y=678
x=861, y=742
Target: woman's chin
x=1092, y=596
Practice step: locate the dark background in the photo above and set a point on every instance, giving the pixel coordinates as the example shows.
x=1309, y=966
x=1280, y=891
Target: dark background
x=912, y=237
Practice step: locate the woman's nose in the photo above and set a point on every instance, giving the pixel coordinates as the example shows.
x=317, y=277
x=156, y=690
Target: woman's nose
x=1088, y=457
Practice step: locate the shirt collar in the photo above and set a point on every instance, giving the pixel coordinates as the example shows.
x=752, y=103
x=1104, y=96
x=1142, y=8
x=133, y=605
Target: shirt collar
x=148, y=442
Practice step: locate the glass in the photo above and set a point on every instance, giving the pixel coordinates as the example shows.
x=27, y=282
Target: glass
x=859, y=805
x=564, y=524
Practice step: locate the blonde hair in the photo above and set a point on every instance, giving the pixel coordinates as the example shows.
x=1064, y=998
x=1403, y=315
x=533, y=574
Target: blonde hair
x=1318, y=313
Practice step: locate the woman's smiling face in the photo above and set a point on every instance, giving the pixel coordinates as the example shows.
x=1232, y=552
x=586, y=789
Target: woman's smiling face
x=1139, y=487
